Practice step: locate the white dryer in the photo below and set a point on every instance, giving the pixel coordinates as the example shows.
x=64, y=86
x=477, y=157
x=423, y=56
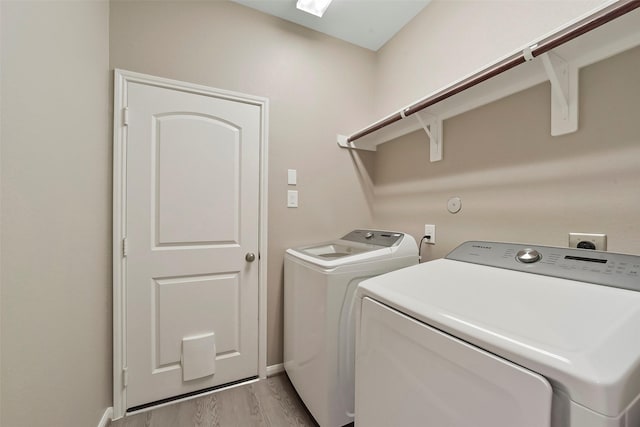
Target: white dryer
x=319, y=329
x=501, y=335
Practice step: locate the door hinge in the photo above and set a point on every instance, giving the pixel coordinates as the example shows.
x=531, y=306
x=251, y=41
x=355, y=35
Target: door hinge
x=125, y=376
x=125, y=247
x=125, y=116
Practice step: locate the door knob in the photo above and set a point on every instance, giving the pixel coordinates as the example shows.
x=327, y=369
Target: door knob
x=250, y=257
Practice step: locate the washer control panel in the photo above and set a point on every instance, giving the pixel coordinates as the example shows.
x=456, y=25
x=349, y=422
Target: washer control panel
x=602, y=268
x=374, y=237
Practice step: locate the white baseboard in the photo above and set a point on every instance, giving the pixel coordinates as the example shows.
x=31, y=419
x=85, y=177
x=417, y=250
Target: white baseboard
x=106, y=417
x=275, y=369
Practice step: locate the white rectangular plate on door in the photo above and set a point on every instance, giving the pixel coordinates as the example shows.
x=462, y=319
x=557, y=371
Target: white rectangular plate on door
x=198, y=356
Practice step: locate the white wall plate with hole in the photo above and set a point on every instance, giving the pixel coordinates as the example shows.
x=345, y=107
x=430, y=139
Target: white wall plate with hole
x=599, y=240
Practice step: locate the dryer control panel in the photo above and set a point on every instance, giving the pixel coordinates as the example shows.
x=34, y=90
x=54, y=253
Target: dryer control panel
x=374, y=237
x=602, y=268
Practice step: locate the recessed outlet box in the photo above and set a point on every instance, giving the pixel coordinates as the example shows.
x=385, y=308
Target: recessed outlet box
x=430, y=233
x=588, y=241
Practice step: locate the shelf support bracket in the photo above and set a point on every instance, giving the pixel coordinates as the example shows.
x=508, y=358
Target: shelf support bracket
x=343, y=142
x=563, y=77
x=432, y=125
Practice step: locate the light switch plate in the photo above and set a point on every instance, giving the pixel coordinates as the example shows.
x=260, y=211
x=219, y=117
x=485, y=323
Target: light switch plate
x=292, y=199
x=292, y=177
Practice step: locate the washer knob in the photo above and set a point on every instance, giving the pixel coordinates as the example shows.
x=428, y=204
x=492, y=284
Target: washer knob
x=528, y=256
x=369, y=235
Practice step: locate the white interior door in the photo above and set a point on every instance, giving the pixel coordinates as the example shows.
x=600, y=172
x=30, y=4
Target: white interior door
x=191, y=216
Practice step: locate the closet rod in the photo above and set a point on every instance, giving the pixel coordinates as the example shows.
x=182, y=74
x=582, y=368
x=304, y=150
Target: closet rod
x=592, y=22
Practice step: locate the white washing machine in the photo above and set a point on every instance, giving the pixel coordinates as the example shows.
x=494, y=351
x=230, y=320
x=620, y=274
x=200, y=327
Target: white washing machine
x=501, y=335
x=319, y=287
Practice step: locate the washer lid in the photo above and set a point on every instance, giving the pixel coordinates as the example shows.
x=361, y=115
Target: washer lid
x=356, y=247
x=583, y=337
x=338, y=253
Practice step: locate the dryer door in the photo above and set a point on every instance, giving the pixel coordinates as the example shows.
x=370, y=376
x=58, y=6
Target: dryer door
x=409, y=374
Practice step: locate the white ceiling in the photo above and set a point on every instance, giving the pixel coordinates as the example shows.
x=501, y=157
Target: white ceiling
x=366, y=23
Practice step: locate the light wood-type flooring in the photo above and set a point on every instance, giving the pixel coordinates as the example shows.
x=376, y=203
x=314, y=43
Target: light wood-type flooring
x=272, y=402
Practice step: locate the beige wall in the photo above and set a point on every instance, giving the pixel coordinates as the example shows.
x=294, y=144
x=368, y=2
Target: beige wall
x=317, y=86
x=517, y=183
x=56, y=214
x=451, y=39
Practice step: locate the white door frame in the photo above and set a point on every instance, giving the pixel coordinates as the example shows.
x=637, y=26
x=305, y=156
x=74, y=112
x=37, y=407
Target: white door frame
x=121, y=78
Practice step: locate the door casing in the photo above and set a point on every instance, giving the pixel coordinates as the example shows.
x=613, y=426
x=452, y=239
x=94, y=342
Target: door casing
x=121, y=79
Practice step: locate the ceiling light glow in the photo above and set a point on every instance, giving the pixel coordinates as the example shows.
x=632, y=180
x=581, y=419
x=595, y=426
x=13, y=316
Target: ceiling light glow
x=314, y=7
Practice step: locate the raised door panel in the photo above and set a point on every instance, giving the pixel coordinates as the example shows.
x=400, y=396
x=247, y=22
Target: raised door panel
x=195, y=306
x=193, y=154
